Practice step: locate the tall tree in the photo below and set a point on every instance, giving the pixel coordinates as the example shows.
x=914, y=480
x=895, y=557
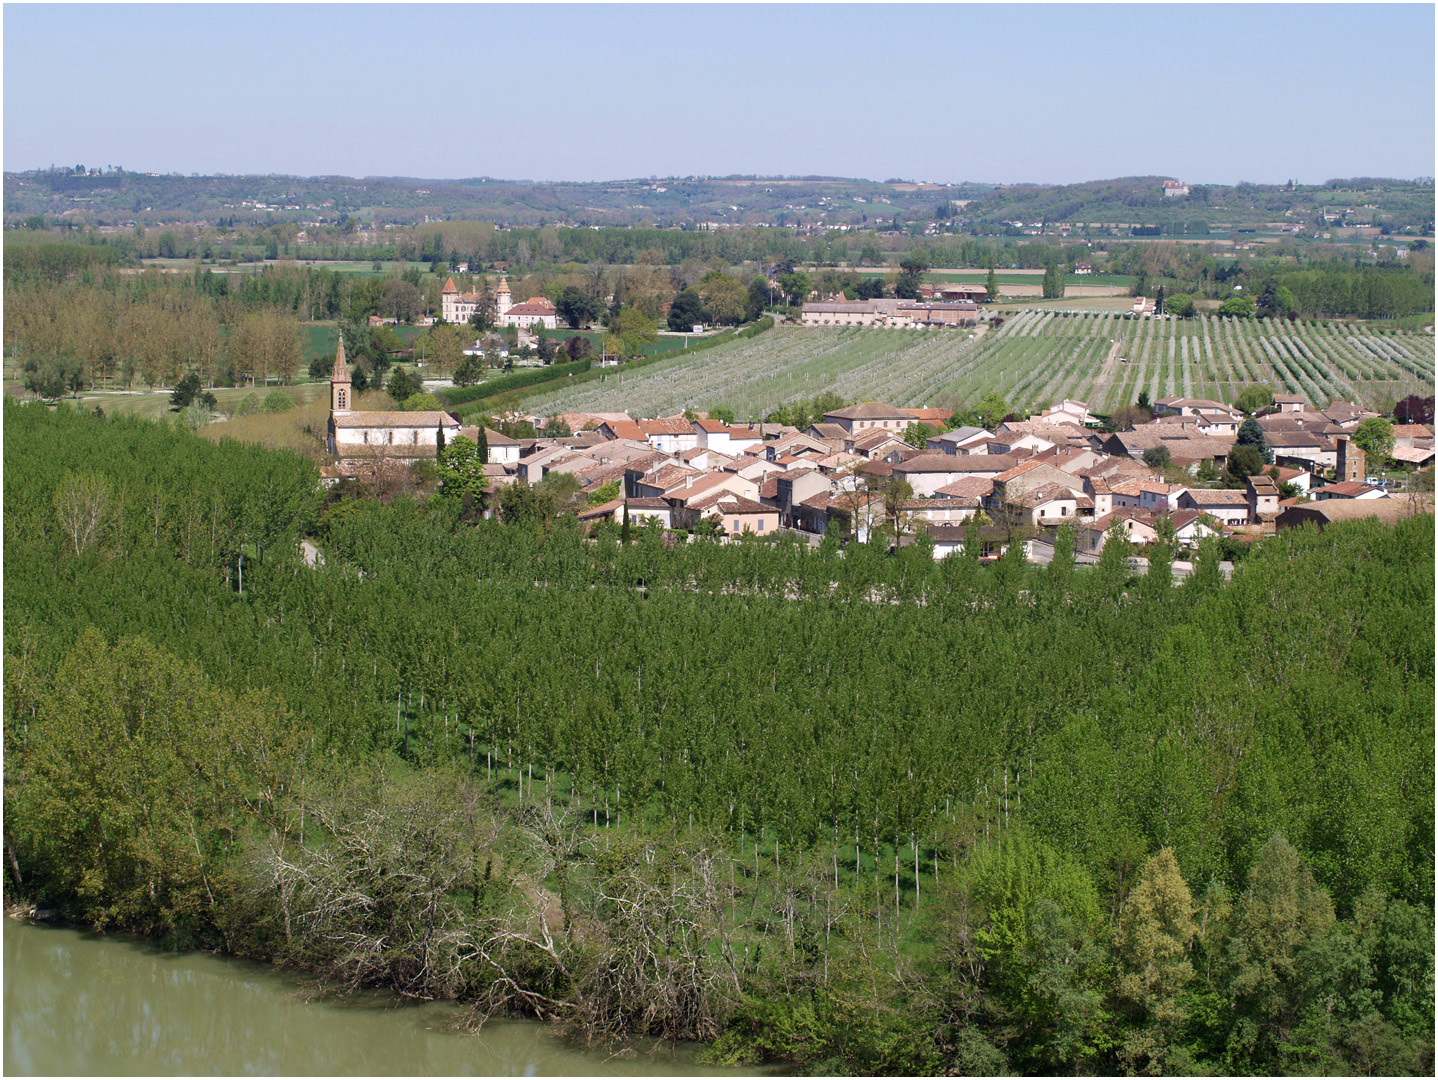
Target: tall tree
x=1053, y=281
x=1251, y=434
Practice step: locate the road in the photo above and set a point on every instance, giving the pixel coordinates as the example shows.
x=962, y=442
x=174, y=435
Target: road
x=1042, y=552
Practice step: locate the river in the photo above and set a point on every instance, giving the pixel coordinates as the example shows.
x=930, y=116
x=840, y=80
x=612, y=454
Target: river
x=78, y=1003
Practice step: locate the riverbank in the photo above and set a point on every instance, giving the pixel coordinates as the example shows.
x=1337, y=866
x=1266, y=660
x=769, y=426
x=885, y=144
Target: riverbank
x=84, y=1004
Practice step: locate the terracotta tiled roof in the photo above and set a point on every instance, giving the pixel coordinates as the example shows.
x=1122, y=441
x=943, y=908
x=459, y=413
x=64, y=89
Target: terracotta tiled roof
x=871, y=439
x=923, y=415
x=869, y=410
x=671, y=425
x=1018, y=470
x=1413, y=455
x=969, y=487
x=729, y=503
x=1048, y=493
x=666, y=477
x=950, y=503
x=1218, y=497
x=1348, y=489
x=395, y=419
x=626, y=429
x=936, y=463
x=535, y=305
x=603, y=510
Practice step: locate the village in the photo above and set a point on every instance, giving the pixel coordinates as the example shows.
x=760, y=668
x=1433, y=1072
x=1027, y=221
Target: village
x=854, y=475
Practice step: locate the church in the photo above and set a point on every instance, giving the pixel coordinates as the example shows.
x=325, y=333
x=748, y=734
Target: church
x=457, y=307
x=368, y=435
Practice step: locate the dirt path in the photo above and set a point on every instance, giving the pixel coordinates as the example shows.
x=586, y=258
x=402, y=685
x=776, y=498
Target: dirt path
x=1105, y=375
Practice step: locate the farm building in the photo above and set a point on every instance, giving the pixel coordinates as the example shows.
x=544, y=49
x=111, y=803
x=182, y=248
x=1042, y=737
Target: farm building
x=906, y=313
x=954, y=291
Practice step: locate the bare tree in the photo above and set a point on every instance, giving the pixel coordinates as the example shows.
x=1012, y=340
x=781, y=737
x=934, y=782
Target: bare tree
x=82, y=506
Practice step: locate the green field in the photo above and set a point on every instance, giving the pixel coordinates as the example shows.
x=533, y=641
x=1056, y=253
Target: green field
x=155, y=404
x=1007, y=277
x=662, y=347
x=349, y=266
x=1036, y=358
x=321, y=338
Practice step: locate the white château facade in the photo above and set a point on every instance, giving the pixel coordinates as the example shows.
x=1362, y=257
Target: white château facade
x=458, y=307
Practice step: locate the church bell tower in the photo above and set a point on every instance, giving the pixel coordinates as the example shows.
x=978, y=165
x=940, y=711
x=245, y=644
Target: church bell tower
x=341, y=389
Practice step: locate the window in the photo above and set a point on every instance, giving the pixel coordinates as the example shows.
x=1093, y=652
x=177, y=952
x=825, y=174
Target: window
x=761, y=524
x=342, y=399
x=1063, y=511
x=736, y=525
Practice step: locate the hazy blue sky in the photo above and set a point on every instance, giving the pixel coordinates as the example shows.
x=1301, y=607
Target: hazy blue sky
x=548, y=92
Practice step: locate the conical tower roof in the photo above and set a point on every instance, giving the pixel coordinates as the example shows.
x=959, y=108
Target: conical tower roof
x=341, y=370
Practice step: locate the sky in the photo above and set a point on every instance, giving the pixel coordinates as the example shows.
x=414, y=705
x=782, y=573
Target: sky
x=940, y=92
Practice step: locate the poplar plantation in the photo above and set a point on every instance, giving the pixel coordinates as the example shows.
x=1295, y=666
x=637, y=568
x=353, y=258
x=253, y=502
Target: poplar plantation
x=848, y=809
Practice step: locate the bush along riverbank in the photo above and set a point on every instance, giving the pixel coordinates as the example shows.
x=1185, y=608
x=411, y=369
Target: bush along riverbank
x=1003, y=821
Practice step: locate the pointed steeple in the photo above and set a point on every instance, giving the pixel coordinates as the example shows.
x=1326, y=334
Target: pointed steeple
x=341, y=371
x=341, y=385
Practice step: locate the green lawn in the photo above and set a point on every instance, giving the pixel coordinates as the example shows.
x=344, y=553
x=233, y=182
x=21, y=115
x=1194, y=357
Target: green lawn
x=154, y=405
x=1009, y=277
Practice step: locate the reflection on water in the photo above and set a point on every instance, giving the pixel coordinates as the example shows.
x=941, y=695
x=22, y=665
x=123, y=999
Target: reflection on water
x=80, y=1003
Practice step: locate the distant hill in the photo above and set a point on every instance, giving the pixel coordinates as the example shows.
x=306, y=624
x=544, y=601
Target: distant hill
x=118, y=197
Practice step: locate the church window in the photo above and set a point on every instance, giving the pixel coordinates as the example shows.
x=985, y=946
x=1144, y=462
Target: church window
x=341, y=399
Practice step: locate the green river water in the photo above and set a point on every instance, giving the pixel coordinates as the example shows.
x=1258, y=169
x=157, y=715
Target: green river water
x=78, y=1003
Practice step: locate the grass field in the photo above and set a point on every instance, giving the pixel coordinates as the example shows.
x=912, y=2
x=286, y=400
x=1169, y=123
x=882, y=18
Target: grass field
x=321, y=338
x=970, y=276
x=1038, y=357
x=153, y=405
x=662, y=347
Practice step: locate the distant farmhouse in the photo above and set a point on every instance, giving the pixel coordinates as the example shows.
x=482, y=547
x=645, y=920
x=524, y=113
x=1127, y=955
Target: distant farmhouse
x=954, y=291
x=836, y=312
x=1175, y=188
x=458, y=307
